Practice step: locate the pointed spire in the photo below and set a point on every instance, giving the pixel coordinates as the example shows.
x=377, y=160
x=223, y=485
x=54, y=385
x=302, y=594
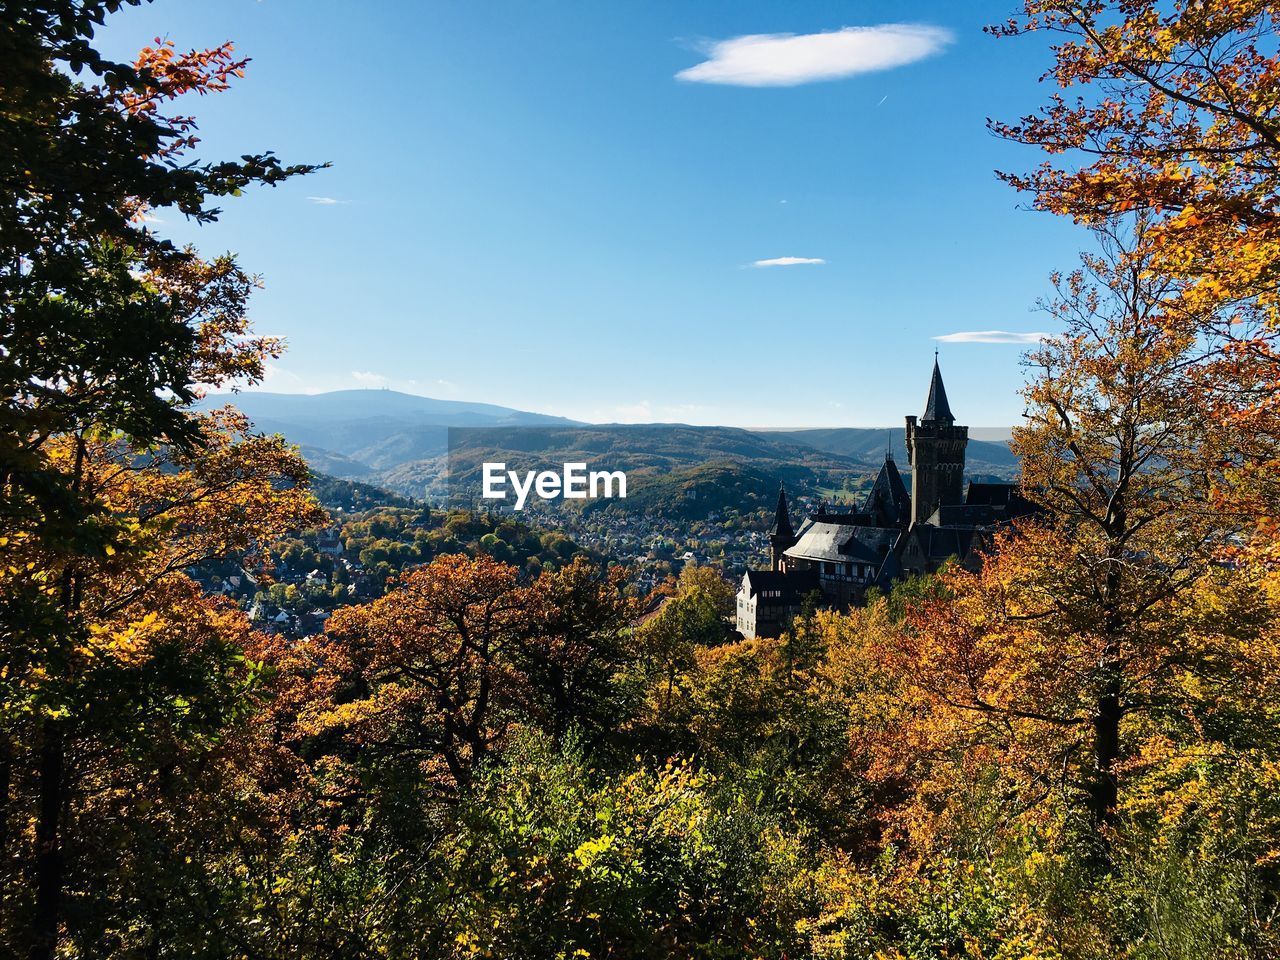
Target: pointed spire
x=782, y=519
x=937, y=408
x=888, y=500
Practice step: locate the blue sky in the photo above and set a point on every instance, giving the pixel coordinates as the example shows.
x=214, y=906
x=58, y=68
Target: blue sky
x=532, y=208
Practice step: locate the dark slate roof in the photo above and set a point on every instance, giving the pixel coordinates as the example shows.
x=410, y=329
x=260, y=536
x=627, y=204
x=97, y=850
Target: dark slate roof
x=936, y=407
x=890, y=571
x=939, y=543
x=1006, y=496
x=966, y=515
x=848, y=518
x=840, y=542
x=794, y=584
x=995, y=494
x=888, y=500
x=782, y=519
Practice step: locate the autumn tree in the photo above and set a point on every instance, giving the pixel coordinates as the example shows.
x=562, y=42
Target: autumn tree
x=1126, y=468
x=693, y=614
x=1174, y=116
x=574, y=658
x=1168, y=111
x=108, y=332
x=434, y=662
x=150, y=674
x=552, y=859
x=1049, y=664
x=778, y=717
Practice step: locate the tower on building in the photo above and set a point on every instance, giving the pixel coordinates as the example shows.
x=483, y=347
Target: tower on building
x=935, y=449
x=781, y=536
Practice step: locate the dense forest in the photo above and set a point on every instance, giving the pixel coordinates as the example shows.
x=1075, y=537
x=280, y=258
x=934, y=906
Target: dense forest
x=1071, y=751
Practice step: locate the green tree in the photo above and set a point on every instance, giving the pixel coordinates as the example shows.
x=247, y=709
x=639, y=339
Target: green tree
x=107, y=329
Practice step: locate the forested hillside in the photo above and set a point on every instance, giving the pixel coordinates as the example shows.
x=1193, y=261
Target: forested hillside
x=981, y=456
x=380, y=437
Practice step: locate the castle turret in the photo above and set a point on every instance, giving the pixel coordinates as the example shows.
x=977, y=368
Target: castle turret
x=888, y=503
x=781, y=536
x=935, y=449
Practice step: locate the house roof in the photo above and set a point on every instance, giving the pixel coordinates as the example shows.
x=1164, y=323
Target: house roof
x=994, y=493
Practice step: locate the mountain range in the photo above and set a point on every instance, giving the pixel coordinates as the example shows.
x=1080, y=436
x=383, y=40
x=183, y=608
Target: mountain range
x=402, y=442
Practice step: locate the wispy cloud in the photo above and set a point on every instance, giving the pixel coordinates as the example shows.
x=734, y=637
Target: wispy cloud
x=789, y=59
x=789, y=262
x=992, y=336
x=278, y=380
x=644, y=411
x=326, y=201
x=414, y=386
x=370, y=379
x=640, y=412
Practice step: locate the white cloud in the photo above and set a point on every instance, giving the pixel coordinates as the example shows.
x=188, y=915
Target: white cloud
x=992, y=336
x=369, y=379
x=788, y=261
x=326, y=201
x=789, y=59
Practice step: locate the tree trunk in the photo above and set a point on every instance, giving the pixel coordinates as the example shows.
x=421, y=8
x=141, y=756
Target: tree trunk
x=6, y=842
x=48, y=845
x=52, y=801
x=1104, y=792
x=6, y=785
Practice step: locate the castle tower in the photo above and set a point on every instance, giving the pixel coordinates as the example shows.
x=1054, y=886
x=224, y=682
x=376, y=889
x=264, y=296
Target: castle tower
x=935, y=450
x=781, y=536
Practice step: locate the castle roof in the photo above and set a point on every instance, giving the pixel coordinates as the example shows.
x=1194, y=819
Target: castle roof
x=996, y=494
x=937, y=407
x=792, y=585
x=1007, y=497
x=938, y=544
x=782, y=519
x=840, y=542
x=888, y=500
x=985, y=505
x=950, y=515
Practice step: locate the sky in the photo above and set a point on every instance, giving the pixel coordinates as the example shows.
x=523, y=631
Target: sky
x=760, y=214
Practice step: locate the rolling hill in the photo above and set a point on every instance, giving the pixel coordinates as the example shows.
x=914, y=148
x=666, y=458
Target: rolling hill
x=982, y=456
x=358, y=433
x=402, y=442
x=672, y=469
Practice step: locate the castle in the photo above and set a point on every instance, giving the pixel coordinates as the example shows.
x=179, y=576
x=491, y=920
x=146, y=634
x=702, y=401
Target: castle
x=896, y=534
